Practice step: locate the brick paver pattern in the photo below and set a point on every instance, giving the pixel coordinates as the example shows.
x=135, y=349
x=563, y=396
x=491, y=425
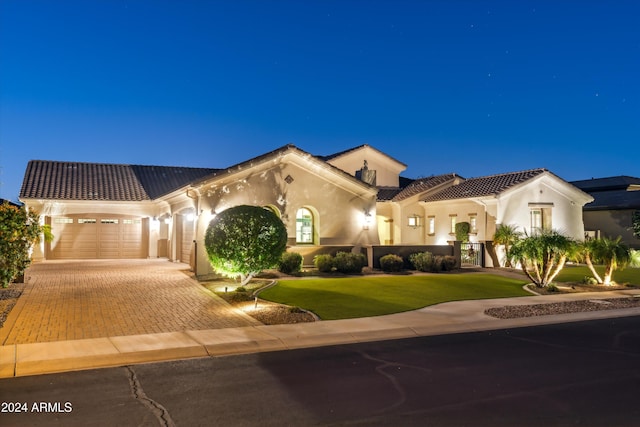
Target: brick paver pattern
x=70, y=300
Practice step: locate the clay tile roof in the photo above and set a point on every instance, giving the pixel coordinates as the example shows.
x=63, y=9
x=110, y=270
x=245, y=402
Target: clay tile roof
x=484, y=186
x=423, y=184
x=98, y=181
x=160, y=180
x=387, y=193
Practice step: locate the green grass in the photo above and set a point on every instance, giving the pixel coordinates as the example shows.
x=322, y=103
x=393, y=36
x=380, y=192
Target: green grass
x=576, y=273
x=344, y=298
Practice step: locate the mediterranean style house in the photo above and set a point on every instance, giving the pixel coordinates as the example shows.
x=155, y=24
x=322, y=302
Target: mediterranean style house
x=615, y=207
x=352, y=200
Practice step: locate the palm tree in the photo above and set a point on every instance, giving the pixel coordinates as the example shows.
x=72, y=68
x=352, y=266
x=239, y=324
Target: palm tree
x=542, y=256
x=613, y=253
x=506, y=235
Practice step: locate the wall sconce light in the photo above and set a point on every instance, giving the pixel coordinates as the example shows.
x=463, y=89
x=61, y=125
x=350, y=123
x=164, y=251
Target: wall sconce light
x=367, y=219
x=414, y=221
x=167, y=220
x=190, y=217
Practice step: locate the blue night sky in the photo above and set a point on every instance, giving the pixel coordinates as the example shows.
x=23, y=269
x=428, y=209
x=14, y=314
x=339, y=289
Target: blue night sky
x=473, y=87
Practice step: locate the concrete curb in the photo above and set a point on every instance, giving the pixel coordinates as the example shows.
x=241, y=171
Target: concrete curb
x=453, y=317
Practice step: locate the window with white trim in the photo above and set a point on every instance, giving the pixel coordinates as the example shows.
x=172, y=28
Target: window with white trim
x=432, y=225
x=304, y=226
x=453, y=219
x=540, y=218
x=473, y=223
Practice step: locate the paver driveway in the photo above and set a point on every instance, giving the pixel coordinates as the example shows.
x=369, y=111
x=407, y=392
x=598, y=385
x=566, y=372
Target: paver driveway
x=70, y=300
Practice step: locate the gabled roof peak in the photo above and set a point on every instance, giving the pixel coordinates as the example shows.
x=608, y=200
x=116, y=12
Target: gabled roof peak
x=359, y=147
x=485, y=185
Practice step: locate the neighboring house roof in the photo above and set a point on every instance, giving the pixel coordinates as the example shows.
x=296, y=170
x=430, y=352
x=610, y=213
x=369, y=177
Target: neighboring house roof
x=611, y=193
x=621, y=182
x=423, y=184
x=100, y=181
x=484, y=186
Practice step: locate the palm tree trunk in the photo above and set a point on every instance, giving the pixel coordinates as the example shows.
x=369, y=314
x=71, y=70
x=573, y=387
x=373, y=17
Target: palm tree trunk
x=507, y=258
x=523, y=266
x=608, y=272
x=558, y=268
x=587, y=259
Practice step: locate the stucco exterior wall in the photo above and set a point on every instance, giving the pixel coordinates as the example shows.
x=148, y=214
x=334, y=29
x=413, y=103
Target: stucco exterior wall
x=339, y=214
x=387, y=170
x=566, y=214
x=462, y=209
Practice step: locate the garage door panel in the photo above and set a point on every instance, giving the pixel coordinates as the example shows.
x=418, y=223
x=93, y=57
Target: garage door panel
x=99, y=236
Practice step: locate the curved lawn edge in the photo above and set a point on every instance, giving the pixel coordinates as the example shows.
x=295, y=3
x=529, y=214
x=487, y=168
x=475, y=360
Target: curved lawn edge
x=353, y=297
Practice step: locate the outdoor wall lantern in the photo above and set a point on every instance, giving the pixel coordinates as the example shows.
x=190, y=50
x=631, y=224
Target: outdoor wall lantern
x=414, y=221
x=367, y=219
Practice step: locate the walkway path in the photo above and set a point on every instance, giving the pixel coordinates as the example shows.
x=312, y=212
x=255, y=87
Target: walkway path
x=71, y=300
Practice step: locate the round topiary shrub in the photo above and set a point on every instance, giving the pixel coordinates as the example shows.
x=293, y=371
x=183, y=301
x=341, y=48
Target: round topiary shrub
x=324, y=263
x=391, y=263
x=290, y=263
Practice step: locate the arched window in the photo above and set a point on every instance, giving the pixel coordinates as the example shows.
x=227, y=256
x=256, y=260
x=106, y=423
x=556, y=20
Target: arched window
x=304, y=226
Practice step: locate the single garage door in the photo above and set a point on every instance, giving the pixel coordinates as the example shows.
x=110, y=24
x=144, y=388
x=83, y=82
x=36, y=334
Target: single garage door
x=96, y=236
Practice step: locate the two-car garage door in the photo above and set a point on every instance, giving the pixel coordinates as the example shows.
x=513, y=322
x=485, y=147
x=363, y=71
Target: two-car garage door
x=97, y=236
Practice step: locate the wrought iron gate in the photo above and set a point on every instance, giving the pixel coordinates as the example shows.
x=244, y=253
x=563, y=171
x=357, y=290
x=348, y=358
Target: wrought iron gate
x=472, y=254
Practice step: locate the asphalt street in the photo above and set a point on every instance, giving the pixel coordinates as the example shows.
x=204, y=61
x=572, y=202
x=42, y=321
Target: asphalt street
x=584, y=374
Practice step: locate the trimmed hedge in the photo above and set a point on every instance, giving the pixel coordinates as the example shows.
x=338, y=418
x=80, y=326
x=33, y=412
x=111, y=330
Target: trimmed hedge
x=427, y=262
x=391, y=263
x=290, y=263
x=343, y=262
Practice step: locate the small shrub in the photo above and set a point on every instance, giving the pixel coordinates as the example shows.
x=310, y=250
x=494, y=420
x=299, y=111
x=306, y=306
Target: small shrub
x=241, y=289
x=391, y=263
x=422, y=261
x=588, y=280
x=448, y=263
x=349, y=262
x=291, y=262
x=324, y=263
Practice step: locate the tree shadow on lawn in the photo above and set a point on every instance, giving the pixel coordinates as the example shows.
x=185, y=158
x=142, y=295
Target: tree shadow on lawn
x=330, y=305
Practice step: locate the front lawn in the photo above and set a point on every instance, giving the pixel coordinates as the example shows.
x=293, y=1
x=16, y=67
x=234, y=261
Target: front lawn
x=352, y=297
x=577, y=273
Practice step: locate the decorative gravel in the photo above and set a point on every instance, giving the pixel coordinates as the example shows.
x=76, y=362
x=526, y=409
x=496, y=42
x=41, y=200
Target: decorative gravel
x=8, y=298
x=515, y=311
